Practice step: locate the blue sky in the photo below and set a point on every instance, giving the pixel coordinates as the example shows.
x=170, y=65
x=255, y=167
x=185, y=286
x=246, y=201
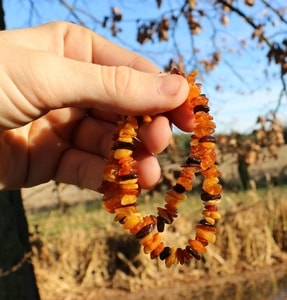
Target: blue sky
x=244, y=94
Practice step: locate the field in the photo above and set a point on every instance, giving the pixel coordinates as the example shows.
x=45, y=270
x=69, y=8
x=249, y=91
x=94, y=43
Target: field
x=80, y=253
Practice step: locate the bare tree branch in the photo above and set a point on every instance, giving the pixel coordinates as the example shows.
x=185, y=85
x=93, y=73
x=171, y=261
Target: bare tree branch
x=248, y=20
x=267, y=4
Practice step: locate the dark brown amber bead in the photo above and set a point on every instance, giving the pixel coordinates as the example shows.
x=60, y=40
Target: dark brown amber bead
x=160, y=224
x=163, y=213
x=180, y=255
x=165, y=253
x=123, y=145
x=128, y=176
x=179, y=188
x=145, y=231
x=204, y=222
x=203, y=108
x=207, y=197
x=207, y=138
x=193, y=252
x=191, y=162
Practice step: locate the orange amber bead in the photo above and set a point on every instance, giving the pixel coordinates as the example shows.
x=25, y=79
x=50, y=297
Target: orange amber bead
x=213, y=171
x=209, y=236
x=197, y=246
x=156, y=252
x=132, y=220
x=171, y=259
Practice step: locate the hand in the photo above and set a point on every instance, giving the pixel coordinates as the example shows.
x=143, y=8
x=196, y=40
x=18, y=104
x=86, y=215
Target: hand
x=63, y=88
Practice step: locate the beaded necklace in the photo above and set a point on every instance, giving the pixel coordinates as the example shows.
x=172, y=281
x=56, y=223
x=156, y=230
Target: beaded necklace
x=121, y=190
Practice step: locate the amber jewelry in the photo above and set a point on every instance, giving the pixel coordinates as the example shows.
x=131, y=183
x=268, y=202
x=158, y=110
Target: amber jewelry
x=121, y=189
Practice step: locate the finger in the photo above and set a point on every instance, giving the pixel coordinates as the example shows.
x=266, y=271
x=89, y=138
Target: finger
x=182, y=117
x=156, y=135
x=64, y=38
x=54, y=82
x=97, y=49
x=85, y=169
x=95, y=136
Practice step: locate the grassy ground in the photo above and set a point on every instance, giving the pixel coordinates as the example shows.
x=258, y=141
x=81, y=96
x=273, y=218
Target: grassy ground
x=80, y=251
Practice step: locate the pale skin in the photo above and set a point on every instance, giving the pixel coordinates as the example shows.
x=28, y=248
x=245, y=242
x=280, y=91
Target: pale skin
x=62, y=90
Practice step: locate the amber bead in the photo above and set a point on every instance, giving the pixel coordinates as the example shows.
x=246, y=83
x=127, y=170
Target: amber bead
x=200, y=107
x=203, y=241
x=132, y=220
x=128, y=199
x=165, y=253
x=145, y=221
x=145, y=231
x=173, y=196
x=205, y=234
x=160, y=224
x=197, y=246
x=180, y=255
x=171, y=259
x=192, y=162
x=153, y=243
x=206, y=196
x=123, y=145
x=193, y=252
x=165, y=215
x=156, y=252
x=212, y=171
x=179, y=188
x=211, y=214
x=125, y=211
x=120, y=153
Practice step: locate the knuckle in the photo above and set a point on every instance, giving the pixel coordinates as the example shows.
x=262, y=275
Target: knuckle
x=122, y=80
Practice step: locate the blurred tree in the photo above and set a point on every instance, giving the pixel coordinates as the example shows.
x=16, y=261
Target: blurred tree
x=206, y=35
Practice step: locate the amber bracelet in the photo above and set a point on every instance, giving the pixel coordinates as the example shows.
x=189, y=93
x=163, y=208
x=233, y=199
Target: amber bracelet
x=121, y=190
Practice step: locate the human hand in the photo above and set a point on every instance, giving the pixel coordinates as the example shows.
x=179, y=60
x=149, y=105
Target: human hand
x=63, y=88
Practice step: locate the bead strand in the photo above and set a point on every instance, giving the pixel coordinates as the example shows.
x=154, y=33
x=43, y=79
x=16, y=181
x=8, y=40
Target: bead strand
x=121, y=190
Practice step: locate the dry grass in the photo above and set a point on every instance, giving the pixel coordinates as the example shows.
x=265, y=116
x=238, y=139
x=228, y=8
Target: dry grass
x=85, y=254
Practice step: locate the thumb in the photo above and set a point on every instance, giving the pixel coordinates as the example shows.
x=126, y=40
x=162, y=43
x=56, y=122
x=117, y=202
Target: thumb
x=48, y=82
x=128, y=91
x=119, y=89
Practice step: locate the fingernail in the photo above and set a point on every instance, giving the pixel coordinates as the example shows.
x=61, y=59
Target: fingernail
x=169, y=84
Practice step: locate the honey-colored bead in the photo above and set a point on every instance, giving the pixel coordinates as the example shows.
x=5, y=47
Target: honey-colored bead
x=110, y=172
x=209, y=220
x=132, y=220
x=197, y=246
x=146, y=239
x=203, y=131
x=173, y=195
x=120, y=153
x=152, y=243
x=147, y=119
x=213, y=190
x=213, y=171
x=207, y=228
x=156, y=252
x=212, y=202
x=126, y=211
x=171, y=259
x=207, y=235
x=145, y=221
x=211, y=214
x=128, y=199
x=186, y=183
